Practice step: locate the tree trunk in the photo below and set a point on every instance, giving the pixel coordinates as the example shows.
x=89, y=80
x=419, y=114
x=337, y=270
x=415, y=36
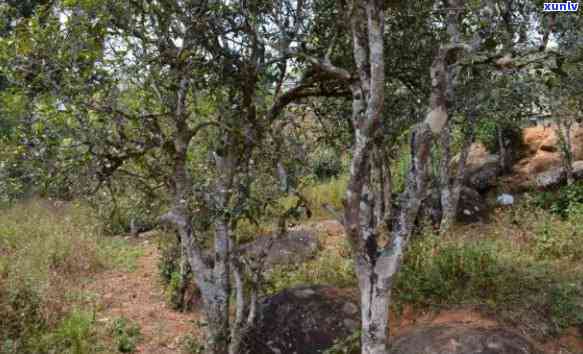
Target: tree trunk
x=451, y=187
x=448, y=209
x=564, y=133
x=218, y=324
x=219, y=300
x=375, y=294
x=504, y=157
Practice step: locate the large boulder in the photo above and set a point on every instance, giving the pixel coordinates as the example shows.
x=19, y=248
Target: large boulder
x=544, y=139
x=550, y=178
x=557, y=176
x=450, y=339
x=484, y=177
x=542, y=165
x=292, y=248
x=303, y=320
x=482, y=168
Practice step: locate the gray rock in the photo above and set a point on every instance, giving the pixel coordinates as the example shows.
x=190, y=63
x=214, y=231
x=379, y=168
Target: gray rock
x=505, y=199
x=550, y=178
x=350, y=309
x=483, y=176
x=578, y=169
x=556, y=176
x=450, y=339
x=289, y=323
x=292, y=248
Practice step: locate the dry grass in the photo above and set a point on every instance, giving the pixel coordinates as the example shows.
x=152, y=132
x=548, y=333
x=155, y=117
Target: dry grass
x=48, y=250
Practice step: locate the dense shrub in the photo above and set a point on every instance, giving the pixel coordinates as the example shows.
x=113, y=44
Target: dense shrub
x=486, y=133
x=326, y=163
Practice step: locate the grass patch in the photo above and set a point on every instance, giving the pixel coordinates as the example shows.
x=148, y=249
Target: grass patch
x=330, y=192
x=46, y=250
x=522, y=267
x=328, y=268
x=120, y=253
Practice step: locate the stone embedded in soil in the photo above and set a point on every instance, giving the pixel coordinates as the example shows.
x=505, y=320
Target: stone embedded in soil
x=292, y=248
x=459, y=339
x=303, y=320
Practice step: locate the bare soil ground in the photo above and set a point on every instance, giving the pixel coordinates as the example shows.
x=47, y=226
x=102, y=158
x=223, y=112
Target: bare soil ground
x=138, y=296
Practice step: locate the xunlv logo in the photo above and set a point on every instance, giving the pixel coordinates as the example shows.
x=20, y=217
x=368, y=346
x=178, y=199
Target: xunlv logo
x=561, y=6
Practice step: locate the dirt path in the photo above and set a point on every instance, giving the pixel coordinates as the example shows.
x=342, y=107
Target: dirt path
x=137, y=296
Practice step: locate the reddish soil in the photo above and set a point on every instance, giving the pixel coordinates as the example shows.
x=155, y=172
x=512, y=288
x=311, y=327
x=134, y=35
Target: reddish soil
x=139, y=297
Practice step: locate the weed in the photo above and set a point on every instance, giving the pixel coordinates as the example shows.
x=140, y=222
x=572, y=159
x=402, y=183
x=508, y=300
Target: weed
x=564, y=309
x=330, y=192
x=126, y=334
x=192, y=345
x=326, y=163
x=329, y=268
x=562, y=202
x=348, y=345
x=556, y=239
x=74, y=334
x=439, y=272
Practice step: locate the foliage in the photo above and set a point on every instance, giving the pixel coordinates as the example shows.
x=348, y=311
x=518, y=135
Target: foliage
x=126, y=334
x=400, y=168
x=125, y=206
x=330, y=192
x=556, y=240
x=326, y=163
x=506, y=269
x=75, y=335
x=565, y=201
x=98, y=98
x=348, y=345
x=565, y=311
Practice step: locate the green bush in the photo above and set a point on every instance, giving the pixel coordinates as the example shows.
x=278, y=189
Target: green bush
x=330, y=192
x=556, y=239
x=192, y=345
x=126, y=334
x=486, y=133
x=21, y=317
x=565, y=201
x=326, y=163
x=75, y=334
x=348, y=345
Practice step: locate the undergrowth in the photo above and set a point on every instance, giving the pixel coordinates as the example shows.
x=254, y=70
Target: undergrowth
x=47, y=249
x=523, y=268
